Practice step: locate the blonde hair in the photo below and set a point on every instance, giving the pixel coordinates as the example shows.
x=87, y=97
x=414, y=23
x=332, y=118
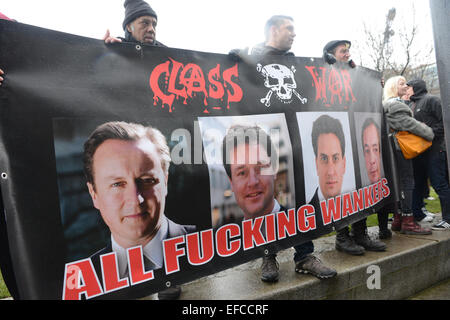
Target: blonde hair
x=391, y=87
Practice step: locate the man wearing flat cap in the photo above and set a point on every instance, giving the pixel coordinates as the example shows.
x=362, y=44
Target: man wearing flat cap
x=357, y=243
x=338, y=50
x=139, y=24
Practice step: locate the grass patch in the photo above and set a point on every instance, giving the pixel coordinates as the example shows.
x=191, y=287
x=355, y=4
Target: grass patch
x=434, y=206
x=4, y=293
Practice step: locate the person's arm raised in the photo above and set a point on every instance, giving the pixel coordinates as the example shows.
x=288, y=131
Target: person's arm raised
x=108, y=39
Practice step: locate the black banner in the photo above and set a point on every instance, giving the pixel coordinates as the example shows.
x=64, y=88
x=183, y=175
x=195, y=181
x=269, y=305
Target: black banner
x=141, y=223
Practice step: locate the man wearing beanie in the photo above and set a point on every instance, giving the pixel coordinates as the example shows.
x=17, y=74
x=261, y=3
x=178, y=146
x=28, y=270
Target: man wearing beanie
x=139, y=24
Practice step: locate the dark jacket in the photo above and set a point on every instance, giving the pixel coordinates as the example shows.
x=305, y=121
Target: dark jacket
x=262, y=49
x=174, y=230
x=399, y=117
x=428, y=109
x=130, y=39
x=315, y=202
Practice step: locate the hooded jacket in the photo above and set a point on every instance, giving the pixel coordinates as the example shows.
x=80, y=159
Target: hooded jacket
x=428, y=109
x=399, y=117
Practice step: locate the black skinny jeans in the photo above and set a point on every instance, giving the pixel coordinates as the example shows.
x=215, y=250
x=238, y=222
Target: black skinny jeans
x=406, y=177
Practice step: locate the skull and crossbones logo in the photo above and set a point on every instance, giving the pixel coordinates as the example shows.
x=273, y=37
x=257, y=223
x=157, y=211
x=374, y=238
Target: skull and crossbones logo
x=279, y=79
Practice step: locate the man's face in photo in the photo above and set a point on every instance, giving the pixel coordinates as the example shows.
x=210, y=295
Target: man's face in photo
x=130, y=188
x=330, y=165
x=371, y=144
x=252, y=179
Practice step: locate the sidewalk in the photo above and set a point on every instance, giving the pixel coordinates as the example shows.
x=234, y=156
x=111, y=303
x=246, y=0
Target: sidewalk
x=409, y=265
x=440, y=291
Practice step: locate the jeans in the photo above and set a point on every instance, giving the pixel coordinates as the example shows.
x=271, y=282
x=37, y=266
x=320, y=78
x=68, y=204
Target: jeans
x=432, y=163
x=406, y=177
x=302, y=250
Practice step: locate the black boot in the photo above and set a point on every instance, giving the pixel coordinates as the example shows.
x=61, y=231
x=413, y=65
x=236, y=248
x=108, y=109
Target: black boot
x=270, y=268
x=384, y=232
x=359, y=233
x=346, y=244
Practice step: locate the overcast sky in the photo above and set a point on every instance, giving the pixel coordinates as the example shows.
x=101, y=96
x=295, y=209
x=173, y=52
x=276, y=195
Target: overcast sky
x=218, y=26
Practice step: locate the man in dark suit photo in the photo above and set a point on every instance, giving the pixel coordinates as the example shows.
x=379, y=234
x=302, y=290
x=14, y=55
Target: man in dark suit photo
x=328, y=140
x=371, y=147
x=127, y=169
x=251, y=170
x=370, y=138
x=251, y=162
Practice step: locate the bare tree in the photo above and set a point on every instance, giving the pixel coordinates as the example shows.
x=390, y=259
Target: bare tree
x=379, y=44
x=396, y=50
x=412, y=57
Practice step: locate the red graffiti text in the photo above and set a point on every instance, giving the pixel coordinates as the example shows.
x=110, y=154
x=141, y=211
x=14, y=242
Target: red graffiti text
x=333, y=86
x=184, y=81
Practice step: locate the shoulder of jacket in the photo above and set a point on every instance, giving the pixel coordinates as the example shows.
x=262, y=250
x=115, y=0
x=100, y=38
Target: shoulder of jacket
x=393, y=102
x=107, y=249
x=433, y=98
x=176, y=229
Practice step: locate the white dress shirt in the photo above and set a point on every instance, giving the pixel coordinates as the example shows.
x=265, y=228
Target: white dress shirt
x=153, y=250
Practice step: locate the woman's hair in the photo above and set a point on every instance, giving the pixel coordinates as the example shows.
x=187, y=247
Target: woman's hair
x=391, y=88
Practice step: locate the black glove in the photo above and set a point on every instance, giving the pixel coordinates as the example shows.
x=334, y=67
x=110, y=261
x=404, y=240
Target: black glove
x=237, y=55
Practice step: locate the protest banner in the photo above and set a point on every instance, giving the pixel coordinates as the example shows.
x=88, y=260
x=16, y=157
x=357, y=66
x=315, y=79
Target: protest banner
x=211, y=206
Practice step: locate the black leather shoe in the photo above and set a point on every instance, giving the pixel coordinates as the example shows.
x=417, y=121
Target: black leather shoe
x=172, y=293
x=369, y=244
x=269, y=268
x=361, y=237
x=385, y=234
x=346, y=244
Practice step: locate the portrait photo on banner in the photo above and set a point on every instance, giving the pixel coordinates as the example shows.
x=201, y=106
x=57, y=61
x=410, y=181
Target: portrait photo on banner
x=250, y=166
x=368, y=140
x=118, y=188
x=327, y=154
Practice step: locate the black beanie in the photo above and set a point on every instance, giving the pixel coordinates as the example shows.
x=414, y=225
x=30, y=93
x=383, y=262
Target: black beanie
x=135, y=9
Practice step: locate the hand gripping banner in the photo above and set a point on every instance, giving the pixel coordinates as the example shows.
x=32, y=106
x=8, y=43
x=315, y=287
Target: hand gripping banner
x=129, y=168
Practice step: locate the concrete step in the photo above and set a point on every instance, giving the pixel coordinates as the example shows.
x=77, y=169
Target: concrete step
x=409, y=265
x=440, y=291
x=412, y=267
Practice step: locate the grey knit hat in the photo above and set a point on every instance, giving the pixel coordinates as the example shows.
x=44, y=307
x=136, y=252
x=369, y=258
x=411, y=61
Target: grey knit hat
x=135, y=9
